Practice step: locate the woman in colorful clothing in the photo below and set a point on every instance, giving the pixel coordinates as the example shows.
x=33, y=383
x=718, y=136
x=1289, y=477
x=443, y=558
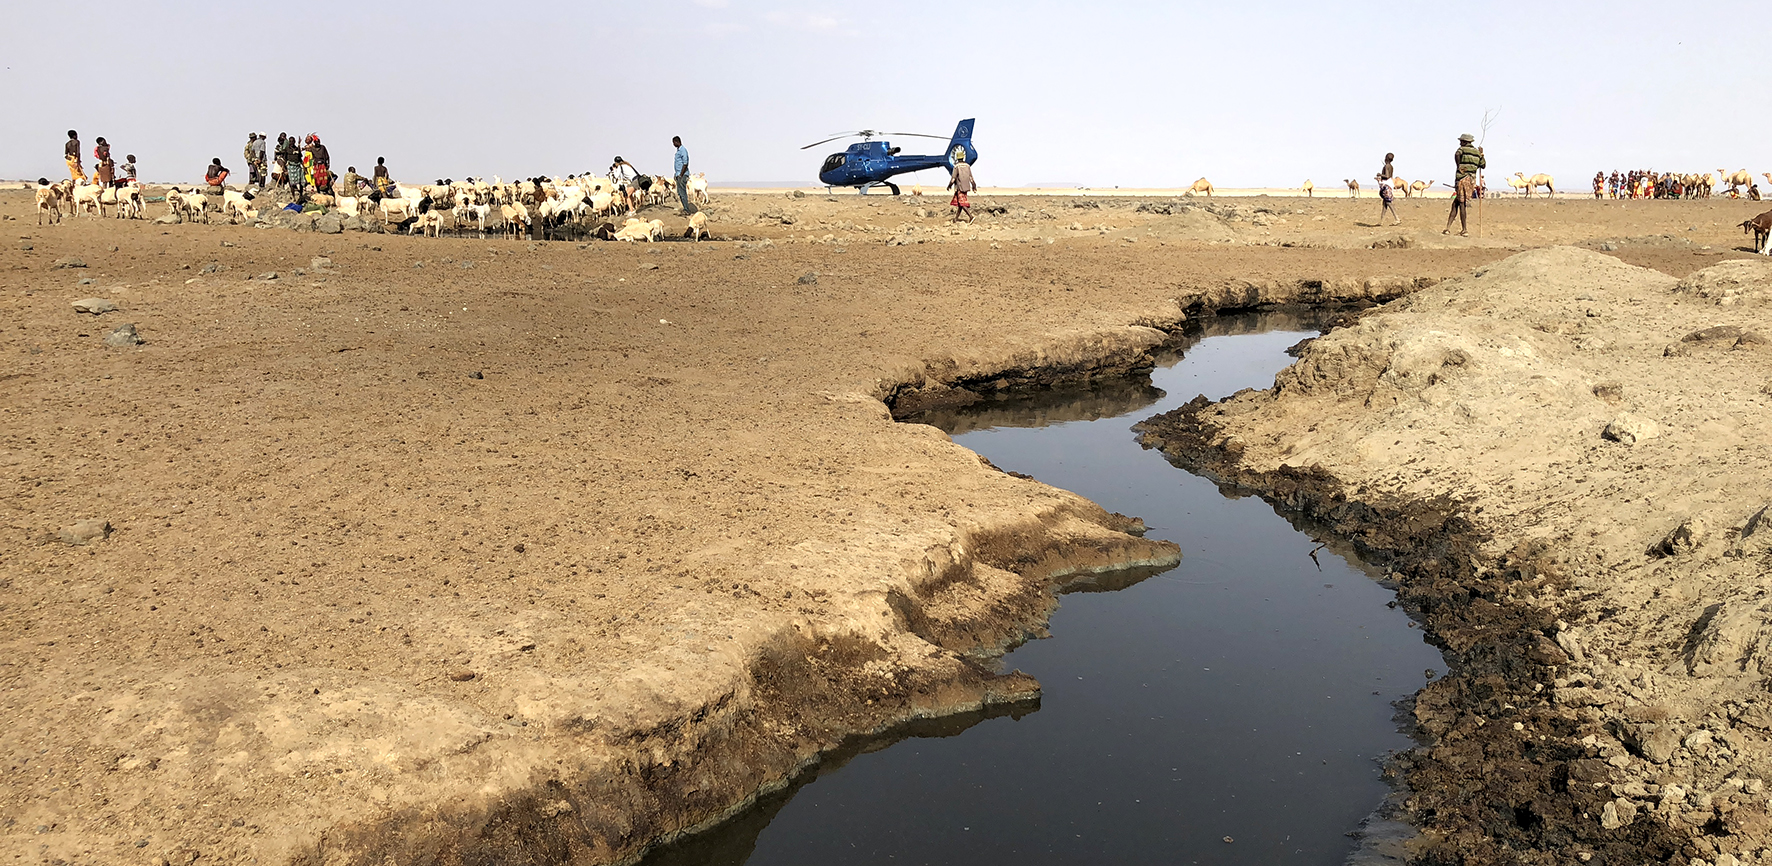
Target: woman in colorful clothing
x=106, y=170
x=322, y=162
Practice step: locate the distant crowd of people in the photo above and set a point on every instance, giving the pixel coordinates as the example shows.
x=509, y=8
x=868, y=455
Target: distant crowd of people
x=1650, y=184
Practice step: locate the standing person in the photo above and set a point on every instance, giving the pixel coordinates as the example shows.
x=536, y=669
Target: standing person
x=628, y=181
x=322, y=163
x=1385, y=174
x=384, y=185
x=1386, y=195
x=104, y=170
x=680, y=166
x=215, y=176
x=71, y=153
x=1469, y=160
x=129, y=170
x=255, y=159
x=1599, y=184
x=962, y=184
x=289, y=154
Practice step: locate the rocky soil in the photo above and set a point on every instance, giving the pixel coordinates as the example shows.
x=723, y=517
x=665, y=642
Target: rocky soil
x=356, y=548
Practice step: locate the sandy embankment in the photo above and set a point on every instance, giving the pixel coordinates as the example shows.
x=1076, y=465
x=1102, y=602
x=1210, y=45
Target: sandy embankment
x=1563, y=457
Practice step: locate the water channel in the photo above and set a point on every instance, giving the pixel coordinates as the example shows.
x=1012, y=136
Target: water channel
x=1231, y=710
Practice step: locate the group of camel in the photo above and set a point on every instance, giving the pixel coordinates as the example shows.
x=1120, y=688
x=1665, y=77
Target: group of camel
x=1353, y=187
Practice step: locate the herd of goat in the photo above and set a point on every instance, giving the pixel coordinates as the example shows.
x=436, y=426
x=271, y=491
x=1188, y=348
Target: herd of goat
x=582, y=205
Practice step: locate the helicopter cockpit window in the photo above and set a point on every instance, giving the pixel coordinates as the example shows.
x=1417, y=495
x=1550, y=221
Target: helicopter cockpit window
x=834, y=161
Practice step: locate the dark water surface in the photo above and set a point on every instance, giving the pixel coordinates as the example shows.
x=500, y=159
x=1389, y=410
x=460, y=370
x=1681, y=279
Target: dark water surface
x=1245, y=693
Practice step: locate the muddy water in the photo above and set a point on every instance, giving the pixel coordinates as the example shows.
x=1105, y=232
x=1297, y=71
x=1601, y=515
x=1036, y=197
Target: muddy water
x=1245, y=694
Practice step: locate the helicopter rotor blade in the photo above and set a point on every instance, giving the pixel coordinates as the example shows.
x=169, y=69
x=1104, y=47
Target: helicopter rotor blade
x=828, y=140
x=917, y=134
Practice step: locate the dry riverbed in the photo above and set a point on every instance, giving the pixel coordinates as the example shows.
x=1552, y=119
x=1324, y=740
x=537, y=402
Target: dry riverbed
x=453, y=549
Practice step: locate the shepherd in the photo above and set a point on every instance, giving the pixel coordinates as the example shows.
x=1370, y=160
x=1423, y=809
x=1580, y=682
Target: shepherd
x=1468, y=160
x=962, y=184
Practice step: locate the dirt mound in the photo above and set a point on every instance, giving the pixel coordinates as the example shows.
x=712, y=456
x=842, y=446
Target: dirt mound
x=1738, y=281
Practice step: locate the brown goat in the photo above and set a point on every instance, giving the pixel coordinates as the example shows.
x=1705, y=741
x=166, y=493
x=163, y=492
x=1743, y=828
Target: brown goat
x=1760, y=227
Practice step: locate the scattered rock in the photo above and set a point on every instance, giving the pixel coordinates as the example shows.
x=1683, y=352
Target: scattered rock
x=809, y=279
x=125, y=335
x=462, y=676
x=320, y=262
x=86, y=532
x=799, y=193
x=1609, y=247
x=556, y=809
x=1630, y=429
x=268, y=276
x=329, y=224
x=87, y=281
x=1750, y=340
x=476, y=375
x=1756, y=533
x=1712, y=335
x=95, y=306
x=1545, y=651
x=467, y=265
x=649, y=266
x=1655, y=743
x=25, y=245
x=1698, y=741
x=213, y=268
x=1618, y=813
x=69, y=262
x=1685, y=538
x=1611, y=392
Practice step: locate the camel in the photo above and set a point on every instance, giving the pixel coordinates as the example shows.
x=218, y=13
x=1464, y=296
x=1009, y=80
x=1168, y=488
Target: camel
x=1353, y=187
x=1310, y=188
x=1736, y=179
x=1201, y=185
x=1767, y=175
x=1528, y=184
x=1421, y=186
x=1400, y=184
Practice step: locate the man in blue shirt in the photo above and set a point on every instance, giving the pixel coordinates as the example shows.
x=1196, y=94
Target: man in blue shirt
x=681, y=166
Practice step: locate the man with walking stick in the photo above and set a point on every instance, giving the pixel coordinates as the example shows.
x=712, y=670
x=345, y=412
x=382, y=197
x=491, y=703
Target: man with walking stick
x=1469, y=160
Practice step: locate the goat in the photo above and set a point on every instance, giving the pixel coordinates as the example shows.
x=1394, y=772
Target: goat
x=187, y=206
x=515, y=216
x=698, y=226
x=1761, y=228
x=88, y=197
x=635, y=230
x=49, y=201
x=428, y=223
x=129, y=202
x=235, y=205
x=698, y=188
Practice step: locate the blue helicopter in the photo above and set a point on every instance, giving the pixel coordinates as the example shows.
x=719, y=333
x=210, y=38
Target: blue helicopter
x=868, y=163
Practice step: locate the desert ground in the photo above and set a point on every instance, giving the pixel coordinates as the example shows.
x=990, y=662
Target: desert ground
x=363, y=548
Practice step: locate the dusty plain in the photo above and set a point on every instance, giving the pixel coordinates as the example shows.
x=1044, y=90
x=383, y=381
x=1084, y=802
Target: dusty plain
x=451, y=550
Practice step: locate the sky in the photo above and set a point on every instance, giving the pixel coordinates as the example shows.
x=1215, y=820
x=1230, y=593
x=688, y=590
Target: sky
x=1103, y=94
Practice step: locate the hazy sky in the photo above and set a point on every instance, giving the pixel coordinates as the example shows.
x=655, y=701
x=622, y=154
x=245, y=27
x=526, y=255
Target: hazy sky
x=1102, y=94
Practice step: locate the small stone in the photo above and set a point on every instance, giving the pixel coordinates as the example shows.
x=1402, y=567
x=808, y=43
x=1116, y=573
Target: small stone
x=1608, y=247
x=1228, y=840
x=1611, y=392
x=125, y=335
x=1686, y=538
x=329, y=224
x=213, y=268
x=465, y=265
x=462, y=676
x=70, y=262
x=268, y=276
x=476, y=375
x=95, y=306
x=809, y=279
x=649, y=266
x=320, y=263
x=1699, y=740
x=799, y=193
x=87, y=281
x=1630, y=429
x=86, y=532
x=25, y=245
x=1618, y=813
x=1710, y=335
